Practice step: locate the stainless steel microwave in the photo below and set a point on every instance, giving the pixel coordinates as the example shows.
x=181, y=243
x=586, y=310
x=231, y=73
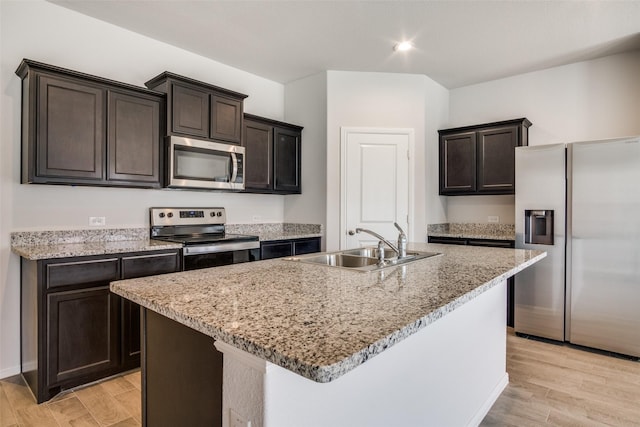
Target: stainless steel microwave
x=195, y=163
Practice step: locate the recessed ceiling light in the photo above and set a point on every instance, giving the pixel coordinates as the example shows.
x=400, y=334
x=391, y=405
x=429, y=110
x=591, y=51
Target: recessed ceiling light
x=403, y=46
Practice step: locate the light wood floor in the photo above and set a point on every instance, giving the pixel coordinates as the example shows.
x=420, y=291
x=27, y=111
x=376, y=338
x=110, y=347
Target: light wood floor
x=115, y=402
x=564, y=386
x=548, y=385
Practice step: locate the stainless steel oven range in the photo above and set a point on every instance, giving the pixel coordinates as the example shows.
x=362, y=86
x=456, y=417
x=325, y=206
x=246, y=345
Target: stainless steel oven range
x=202, y=234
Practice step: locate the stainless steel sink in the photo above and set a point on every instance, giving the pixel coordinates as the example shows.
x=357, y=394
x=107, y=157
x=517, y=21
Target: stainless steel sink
x=361, y=259
x=340, y=260
x=371, y=253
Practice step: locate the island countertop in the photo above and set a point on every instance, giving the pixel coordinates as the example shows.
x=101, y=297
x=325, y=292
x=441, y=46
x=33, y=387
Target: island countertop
x=321, y=322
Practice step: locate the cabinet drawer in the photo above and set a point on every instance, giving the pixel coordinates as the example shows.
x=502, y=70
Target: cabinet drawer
x=308, y=246
x=276, y=250
x=148, y=265
x=82, y=272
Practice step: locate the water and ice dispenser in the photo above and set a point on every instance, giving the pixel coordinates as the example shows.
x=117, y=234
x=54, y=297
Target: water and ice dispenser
x=538, y=226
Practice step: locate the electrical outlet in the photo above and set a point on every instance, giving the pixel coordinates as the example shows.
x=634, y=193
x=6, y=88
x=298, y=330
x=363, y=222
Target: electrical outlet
x=257, y=218
x=97, y=221
x=236, y=420
x=492, y=218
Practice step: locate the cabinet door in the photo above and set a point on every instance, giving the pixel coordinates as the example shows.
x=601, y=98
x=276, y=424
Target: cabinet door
x=226, y=119
x=190, y=110
x=140, y=266
x=70, y=141
x=134, y=139
x=82, y=335
x=258, y=158
x=496, y=160
x=286, y=160
x=458, y=163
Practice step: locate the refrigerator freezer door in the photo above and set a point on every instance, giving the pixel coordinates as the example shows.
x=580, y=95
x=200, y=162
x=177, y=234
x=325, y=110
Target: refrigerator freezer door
x=540, y=290
x=605, y=246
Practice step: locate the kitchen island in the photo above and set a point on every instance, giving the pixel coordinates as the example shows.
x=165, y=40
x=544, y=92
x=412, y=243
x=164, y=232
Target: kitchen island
x=418, y=344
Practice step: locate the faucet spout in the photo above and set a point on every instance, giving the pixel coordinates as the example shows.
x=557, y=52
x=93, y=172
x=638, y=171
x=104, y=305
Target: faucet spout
x=382, y=239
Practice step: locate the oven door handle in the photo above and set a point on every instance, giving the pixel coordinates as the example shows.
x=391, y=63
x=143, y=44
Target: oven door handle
x=227, y=247
x=234, y=167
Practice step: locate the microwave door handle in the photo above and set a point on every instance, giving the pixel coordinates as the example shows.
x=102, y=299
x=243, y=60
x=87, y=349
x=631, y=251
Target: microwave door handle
x=234, y=167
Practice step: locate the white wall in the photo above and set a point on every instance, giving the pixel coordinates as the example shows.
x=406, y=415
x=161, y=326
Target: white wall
x=48, y=33
x=386, y=100
x=306, y=102
x=582, y=101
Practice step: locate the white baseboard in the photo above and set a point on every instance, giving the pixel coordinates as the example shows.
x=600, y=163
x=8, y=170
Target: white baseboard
x=9, y=372
x=495, y=394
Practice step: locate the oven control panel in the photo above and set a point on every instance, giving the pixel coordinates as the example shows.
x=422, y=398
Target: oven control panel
x=187, y=216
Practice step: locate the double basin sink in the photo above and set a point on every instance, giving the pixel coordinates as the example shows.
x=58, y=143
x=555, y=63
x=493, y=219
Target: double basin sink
x=361, y=259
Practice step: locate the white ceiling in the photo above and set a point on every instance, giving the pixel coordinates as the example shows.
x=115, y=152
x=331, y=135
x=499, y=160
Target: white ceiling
x=458, y=42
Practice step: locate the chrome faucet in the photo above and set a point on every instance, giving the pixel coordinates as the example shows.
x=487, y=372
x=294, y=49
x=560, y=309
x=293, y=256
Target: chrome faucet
x=400, y=249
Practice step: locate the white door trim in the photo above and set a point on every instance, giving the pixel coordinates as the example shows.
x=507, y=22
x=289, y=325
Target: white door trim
x=345, y=131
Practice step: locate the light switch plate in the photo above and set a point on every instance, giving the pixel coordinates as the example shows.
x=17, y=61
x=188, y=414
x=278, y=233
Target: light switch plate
x=492, y=218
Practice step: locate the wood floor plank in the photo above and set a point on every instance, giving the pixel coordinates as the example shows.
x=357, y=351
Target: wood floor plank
x=117, y=385
x=129, y=422
x=593, y=408
x=7, y=415
x=131, y=400
x=36, y=416
x=71, y=412
x=134, y=378
x=102, y=406
x=564, y=419
x=18, y=393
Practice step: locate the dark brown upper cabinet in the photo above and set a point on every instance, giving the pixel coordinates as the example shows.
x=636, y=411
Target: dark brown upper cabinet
x=480, y=159
x=273, y=156
x=134, y=139
x=80, y=129
x=199, y=109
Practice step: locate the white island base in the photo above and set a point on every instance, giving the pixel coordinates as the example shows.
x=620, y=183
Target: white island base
x=447, y=374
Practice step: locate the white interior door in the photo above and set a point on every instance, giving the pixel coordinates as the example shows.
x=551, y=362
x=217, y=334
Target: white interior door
x=375, y=183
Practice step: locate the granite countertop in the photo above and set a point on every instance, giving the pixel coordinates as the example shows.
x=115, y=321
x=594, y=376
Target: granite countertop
x=277, y=231
x=37, y=245
x=472, y=231
x=285, y=235
x=466, y=235
x=321, y=322
x=64, y=250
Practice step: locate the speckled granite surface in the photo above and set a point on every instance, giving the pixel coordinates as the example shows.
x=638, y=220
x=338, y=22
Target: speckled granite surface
x=35, y=245
x=473, y=231
x=318, y=321
x=277, y=231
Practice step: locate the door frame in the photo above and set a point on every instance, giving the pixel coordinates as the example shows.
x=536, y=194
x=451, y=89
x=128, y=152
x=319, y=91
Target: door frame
x=345, y=131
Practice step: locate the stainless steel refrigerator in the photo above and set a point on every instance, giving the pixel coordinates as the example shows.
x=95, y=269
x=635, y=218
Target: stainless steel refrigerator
x=580, y=202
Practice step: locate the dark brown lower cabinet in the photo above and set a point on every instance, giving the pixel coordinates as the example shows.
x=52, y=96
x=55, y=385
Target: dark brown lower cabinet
x=182, y=375
x=74, y=330
x=83, y=324
x=282, y=248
